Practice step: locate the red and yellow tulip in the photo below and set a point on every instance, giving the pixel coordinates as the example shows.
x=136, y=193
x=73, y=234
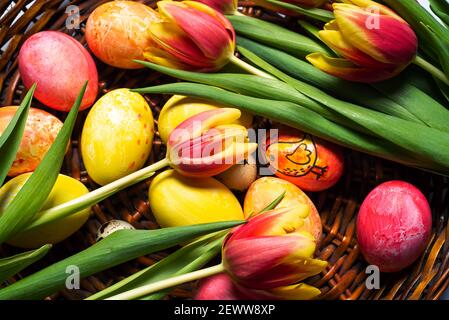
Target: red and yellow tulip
x=223, y=6
x=374, y=43
x=222, y=287
x=266, y=259
x=208, y=143
x=190, y=35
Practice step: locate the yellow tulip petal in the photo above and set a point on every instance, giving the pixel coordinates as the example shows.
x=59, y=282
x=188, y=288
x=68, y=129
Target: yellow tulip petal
x=300, y=291
x=335, y=40
x=345, y=69
x=331, y=25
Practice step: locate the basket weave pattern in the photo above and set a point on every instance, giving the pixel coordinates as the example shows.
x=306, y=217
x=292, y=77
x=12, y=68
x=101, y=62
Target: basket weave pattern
x=345, y=276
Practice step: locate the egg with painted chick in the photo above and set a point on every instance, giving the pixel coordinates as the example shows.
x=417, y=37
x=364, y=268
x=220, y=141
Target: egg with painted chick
x=65, y=189
x=40, y=131
x=310, y=163
x=117, y=136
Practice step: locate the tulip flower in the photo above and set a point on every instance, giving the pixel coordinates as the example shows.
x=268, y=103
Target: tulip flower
x=208, y=143
x=223, y=6
x=201, y=146
x=222, y=287
x=264, y=259
x=374, y=43
x=192, y=36
x=269, y=252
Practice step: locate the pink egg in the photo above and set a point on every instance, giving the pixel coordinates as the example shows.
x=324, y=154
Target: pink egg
x=59, y=65
x=394, y=225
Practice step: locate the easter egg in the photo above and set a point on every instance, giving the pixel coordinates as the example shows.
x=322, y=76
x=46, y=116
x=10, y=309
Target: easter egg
x=176, y=200
x=394, y=225
x=310, y=163
x=117, y=136
x=65, y=189
x=40, y=131
x=179, y=108
x=265, y=190
x=117, y=32
x=60, y=66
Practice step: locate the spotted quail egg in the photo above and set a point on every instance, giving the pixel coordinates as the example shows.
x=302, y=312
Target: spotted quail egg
x=112, y=226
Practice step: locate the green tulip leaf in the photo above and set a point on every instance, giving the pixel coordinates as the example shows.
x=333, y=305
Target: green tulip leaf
x=117, y=248
x=12, y=136
x=189, y=258
x=314, y=13
x=28, y=202
x=9, y=266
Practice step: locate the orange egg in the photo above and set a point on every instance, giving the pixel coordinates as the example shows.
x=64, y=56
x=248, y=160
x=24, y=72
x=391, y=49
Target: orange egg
x=310, y=163
x=40, y=131
x=265, y=190
x=117, y=32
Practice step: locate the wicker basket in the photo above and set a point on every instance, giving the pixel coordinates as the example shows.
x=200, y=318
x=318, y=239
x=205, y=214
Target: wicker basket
x=345, y=276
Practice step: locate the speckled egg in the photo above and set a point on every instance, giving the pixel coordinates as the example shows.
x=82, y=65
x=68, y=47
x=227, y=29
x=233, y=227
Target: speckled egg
x=117, y=136
x=40, y=131
x=117, y=32
x=65, y=189
x=112, y=226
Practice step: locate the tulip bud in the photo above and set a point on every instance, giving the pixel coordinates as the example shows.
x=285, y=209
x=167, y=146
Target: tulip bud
x=190, y=36
x=269, y=252
x=223, y=6
x=374, y=42
x=207, y=144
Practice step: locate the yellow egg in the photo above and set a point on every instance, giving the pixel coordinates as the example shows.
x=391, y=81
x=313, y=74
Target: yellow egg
x=180, y=108
x=65, y=189
x=117, y=136
x=176, y=200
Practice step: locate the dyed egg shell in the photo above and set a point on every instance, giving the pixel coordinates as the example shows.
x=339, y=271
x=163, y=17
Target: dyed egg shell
x=394, y=225
x=180, y=108
x=176, y=200
x=265, y=190
x=117, y=136
x=310, y=163
x=60, y=66
x=40, y=131
x=65, y=189
x=117, y=32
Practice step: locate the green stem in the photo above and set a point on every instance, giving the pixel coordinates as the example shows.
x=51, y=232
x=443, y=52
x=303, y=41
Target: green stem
x=91, y=198
x=434, y=71
x=249, y=68
x=168, y=283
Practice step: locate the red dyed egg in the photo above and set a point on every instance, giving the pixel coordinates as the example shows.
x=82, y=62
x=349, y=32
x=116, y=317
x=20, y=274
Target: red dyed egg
x=310, y=163
x=60, y=66
x=393, y=225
